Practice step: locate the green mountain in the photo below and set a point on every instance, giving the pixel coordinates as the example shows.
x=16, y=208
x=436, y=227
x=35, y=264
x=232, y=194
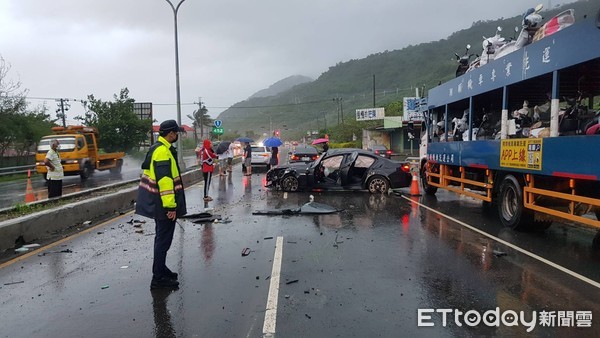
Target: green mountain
x=282, y=85
x=313, y=105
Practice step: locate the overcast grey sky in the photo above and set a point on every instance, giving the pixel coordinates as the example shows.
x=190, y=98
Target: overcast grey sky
x=228, y=49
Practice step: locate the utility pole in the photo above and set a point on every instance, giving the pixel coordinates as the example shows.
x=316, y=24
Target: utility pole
x=177, y=87
x=201, y=117
x=63, y=105
x=339, y=108
x=342, y=110
x=374, y=106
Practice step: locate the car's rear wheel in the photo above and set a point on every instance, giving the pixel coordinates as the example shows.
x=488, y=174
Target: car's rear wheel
x=289, y=183
x=378, y=184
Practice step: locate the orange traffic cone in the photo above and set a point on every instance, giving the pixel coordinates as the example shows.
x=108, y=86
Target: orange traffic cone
x=414, y=187
x=29, y=196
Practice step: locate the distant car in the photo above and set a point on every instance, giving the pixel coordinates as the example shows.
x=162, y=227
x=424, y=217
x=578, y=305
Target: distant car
x=261, y=155
x=342, y=169
x=381, y=151
x=304, y=154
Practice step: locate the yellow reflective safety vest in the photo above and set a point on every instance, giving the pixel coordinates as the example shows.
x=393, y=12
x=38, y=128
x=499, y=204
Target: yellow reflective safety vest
x=161, y=187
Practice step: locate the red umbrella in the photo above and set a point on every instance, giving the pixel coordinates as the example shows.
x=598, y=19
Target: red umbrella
x=320, y=140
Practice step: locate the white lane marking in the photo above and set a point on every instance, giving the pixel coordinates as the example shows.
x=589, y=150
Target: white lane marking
x=271, y=313
x=523, y=251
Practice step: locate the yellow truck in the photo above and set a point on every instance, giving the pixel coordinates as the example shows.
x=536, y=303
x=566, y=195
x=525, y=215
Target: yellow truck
x=79, y=152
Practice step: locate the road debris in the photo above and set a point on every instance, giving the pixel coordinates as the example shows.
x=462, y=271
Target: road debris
x=310, y=208
x=499, y=253
x=29, y=246
x=181, y=226
x=87, y=223
x=268, y=238
x=124, y=266
x=104, y=287
x=22, y=249
x=245, y=252
x=202, y=217
x=11, y=283
x=292, y=281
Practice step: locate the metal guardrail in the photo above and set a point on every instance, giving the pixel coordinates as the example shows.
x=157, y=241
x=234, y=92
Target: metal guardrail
x=16, y=170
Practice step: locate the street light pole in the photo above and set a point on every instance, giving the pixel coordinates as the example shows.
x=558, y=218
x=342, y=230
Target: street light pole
x=179, y=148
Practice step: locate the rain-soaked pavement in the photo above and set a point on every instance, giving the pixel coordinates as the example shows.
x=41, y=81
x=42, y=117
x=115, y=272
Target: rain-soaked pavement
x=362, y=272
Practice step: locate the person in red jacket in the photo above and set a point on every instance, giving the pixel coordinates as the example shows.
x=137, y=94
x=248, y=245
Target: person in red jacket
x=208, y=167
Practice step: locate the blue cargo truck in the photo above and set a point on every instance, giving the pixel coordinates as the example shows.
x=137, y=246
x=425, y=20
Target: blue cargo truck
x=520, y=133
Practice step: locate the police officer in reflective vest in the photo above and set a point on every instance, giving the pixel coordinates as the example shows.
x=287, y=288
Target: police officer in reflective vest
x=161, y=196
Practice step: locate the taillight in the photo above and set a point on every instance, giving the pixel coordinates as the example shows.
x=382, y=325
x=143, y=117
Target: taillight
x=389, y=152
x=405, y=168
x=295, y=158
x=376, y=152
x=314, y=158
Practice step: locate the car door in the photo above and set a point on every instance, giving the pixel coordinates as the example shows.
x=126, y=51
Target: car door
x=345, y=168
x=327, y=172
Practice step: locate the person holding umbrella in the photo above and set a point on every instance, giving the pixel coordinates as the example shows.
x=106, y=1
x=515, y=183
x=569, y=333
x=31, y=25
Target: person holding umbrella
x=324, y=141
x=274, y=143
x=222, y=151
x=274, y=161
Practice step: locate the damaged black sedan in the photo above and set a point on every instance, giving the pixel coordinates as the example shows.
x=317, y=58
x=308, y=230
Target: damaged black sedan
x=342, y=169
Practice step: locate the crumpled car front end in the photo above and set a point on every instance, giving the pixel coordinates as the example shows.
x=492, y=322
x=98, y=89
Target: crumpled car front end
x=273, y=177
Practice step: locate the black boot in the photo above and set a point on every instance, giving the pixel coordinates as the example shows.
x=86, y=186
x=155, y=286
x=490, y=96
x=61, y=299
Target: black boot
x=164, y=283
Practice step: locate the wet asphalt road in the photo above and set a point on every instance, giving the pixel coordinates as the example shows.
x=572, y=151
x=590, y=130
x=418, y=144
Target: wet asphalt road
x=362, y=272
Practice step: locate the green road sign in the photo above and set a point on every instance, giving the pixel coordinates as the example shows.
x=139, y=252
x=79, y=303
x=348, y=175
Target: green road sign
x=218, y=131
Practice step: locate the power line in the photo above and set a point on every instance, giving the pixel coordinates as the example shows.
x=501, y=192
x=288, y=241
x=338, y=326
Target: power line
x=395, y=91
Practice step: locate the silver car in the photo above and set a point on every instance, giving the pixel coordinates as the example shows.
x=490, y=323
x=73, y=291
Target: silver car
x=261, y=155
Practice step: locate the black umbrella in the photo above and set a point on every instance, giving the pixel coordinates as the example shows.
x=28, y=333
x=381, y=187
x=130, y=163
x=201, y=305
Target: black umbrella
x=245, y=139
x=222, y=147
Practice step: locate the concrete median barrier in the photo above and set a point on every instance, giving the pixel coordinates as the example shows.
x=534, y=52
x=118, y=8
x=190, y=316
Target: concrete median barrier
x=45, y=224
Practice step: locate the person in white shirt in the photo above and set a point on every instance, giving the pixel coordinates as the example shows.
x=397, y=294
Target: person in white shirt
x=55, y=170
x=230, y=157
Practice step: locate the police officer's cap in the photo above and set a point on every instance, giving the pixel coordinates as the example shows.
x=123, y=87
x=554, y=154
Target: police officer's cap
x=170, y=125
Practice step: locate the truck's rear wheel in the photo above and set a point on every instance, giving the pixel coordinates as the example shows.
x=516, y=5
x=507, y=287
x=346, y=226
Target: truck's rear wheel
x=85, y=172
x=429, y=189
x=510, y=204
x=117, y=169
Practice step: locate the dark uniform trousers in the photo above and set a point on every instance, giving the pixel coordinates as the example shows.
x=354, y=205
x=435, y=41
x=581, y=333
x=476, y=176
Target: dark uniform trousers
x=162, y=242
